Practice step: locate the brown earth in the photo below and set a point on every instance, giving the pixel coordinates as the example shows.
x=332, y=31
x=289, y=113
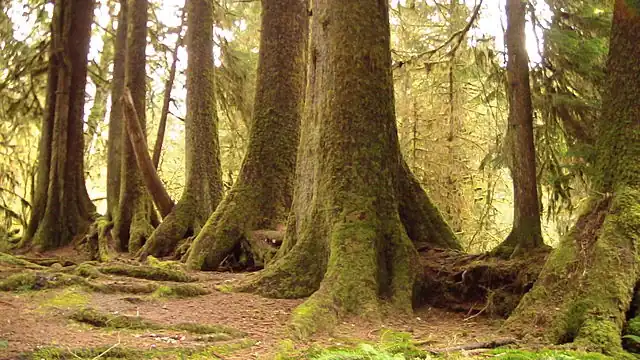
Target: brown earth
x=30, y=320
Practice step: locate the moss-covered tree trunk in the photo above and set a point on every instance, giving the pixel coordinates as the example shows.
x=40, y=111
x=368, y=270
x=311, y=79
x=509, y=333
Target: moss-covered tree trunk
x=587, y=284
x=526, y=233
x=203, y=190
x=132, y=220
x=261, y=198
x=356, y=206
x=114, y=141
x=63, y=210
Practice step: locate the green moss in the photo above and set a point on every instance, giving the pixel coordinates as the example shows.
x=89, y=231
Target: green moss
x=180, y=290
x=19, y=282
x=146, y=272
x=87, y=270
x=68, y=299
x=99, y=319
x=551, y=355
x=13, y=260
x=121, y=352
x=104, y=320
x=170, y=265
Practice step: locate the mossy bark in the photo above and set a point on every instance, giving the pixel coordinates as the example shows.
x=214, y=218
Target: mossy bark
x=132, y=221
x=347, y=245
x=261, y=197
x=526, y=234
x=63, y=211
x=114, y=142
x=203, y=190
x=587, y=284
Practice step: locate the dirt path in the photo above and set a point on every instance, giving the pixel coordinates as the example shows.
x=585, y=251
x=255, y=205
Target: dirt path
x=31, y=320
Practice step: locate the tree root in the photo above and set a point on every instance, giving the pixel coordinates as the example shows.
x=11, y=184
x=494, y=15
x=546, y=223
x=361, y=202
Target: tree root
x=587, y=284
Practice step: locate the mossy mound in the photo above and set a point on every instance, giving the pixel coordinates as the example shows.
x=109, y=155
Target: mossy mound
x=462, y=282
x=11, y=260
x=146, y=272
x=180, y=290
x=25, y=281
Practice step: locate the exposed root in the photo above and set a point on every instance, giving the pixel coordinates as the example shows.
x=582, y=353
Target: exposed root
x=587, y=285
x=104, y=320
x=179, y=224
x=470, y=283
x=98, y=241
x=146, y=272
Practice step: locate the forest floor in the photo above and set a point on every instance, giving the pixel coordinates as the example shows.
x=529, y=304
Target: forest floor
x=59, y=310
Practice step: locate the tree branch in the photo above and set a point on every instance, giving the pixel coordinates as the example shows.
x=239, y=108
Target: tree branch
x=151, y=179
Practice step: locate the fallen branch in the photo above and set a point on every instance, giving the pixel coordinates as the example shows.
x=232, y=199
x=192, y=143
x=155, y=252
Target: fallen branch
x=150, y=176
x=473, y=346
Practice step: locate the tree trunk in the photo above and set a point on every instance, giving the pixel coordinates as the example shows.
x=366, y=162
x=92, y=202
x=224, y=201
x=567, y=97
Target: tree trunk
x=63, y=209
x=114, y=142
x=587, y=284
x=347, y=244
x=203, y=190
x=526, y=233
x=132, y=223
x=101, y=81
x=261, y=198
x=166, y=101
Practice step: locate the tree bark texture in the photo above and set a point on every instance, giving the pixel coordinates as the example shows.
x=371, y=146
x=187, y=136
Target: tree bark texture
x=346, y=244
x=114, y=141
x=62, y=206
x=132, y=223
x=261, y=197
x=526, y=233
x=586, y=286
x=203, y=190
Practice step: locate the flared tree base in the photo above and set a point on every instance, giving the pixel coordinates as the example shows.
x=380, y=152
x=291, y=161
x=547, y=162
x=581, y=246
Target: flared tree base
x=587, y=285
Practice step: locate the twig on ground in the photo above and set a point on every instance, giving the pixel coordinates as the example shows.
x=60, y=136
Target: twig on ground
x=473, y=346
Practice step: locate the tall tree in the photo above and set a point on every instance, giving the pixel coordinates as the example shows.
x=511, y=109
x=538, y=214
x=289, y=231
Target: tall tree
x=132, y=222
x=526, y=233
x=261, y=197
x=114, y=142
x=357, y=209
x=586, y=287
x=203, y=190
x=62, y=209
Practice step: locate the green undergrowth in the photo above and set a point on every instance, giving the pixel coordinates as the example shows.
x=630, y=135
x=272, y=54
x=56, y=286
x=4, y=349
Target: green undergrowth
x=121, y=352
x=400, y=346
x=147, y=272
x=104, y=320
x=68, y=298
